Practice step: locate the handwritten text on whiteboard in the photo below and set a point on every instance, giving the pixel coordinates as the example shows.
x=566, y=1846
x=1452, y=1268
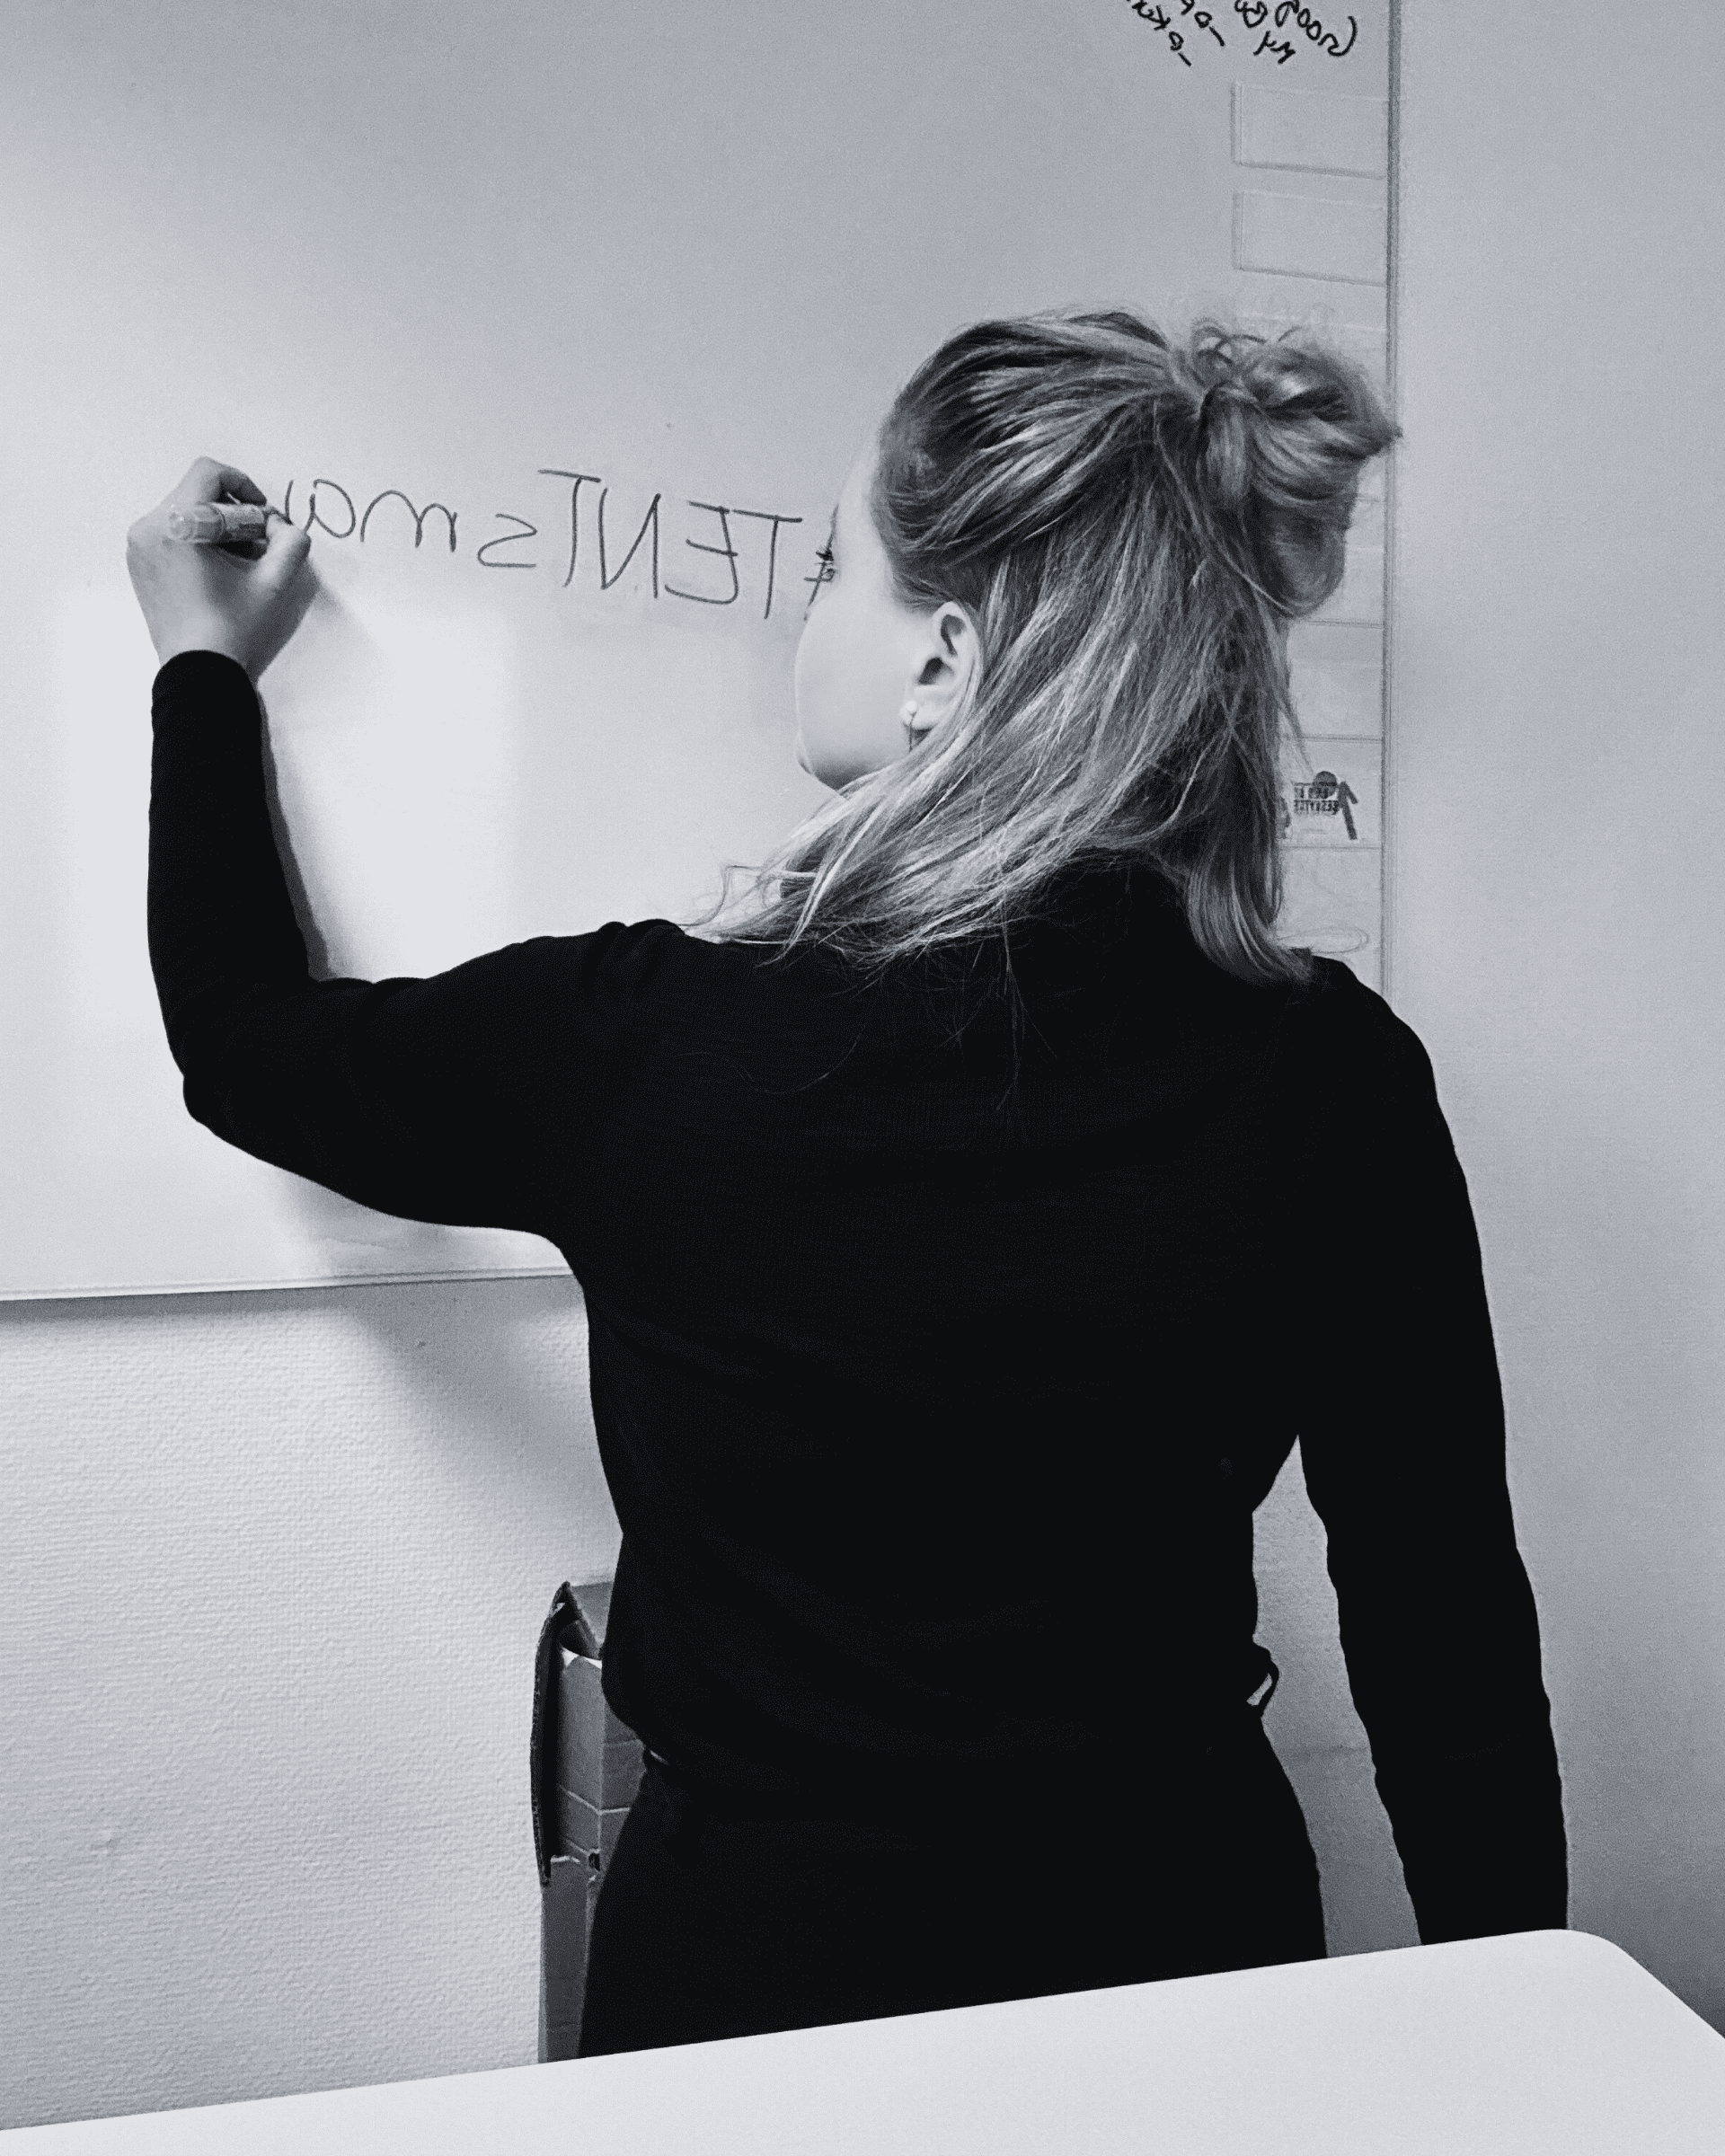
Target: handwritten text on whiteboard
x=1181, y=21
x=576, y=530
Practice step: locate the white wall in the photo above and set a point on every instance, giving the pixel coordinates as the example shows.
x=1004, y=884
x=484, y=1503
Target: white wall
x=277, y=1569
x=1557, y=877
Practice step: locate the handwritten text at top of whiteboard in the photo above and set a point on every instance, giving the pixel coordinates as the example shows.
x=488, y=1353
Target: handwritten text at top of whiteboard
x=333, y=510
x=1174, y=18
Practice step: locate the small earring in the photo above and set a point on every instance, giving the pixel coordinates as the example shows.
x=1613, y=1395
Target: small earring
x=910, y=731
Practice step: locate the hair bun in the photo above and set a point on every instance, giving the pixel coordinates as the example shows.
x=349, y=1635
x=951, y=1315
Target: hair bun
x=1281, y=428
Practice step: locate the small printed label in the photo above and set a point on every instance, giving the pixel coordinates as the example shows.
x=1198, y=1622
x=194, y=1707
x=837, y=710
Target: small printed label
x=1330, y=795
x=1326, y=795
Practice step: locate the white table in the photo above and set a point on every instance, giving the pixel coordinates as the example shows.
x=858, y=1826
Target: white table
x=1542, y=2041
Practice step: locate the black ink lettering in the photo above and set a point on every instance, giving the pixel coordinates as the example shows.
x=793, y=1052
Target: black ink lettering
x=288, y=504
x=527, y=531
x=651, y=518
x=418, y=516
x=313, y=519
x=582, y=479
x=768, y=517
x=728, y=552
x=1308, y=20
x=1252, y=13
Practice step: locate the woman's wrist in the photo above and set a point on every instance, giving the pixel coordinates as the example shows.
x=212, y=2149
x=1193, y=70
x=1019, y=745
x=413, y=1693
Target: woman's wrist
x=205, y=636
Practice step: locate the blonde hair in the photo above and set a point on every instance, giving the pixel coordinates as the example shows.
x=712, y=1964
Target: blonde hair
x=1131, y=525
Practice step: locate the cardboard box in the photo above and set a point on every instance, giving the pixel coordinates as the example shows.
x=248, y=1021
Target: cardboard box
x=586, y=1768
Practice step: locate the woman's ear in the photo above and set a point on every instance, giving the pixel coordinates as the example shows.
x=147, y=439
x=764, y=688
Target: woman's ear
x=950, y=659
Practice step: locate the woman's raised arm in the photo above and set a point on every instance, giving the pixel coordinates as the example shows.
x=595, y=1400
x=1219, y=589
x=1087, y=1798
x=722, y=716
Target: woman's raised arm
x=441, y=1099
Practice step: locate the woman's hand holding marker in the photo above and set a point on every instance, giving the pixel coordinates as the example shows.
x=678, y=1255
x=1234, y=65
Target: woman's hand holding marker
x=215, y=569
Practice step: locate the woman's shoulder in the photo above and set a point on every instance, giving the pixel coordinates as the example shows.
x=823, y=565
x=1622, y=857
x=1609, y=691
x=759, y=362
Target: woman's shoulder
x=621, y=961
x=628, y=965
x=1352, y=1034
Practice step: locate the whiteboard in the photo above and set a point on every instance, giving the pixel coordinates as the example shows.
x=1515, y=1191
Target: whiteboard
x=622, y=289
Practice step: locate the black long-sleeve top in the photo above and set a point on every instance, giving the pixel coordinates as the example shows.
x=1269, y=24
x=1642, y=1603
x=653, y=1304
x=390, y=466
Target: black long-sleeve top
x=938, y=1360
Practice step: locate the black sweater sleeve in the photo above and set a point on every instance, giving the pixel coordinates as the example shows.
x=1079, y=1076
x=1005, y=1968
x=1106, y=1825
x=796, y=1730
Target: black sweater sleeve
x=1402, y=1444
x=426, y=1099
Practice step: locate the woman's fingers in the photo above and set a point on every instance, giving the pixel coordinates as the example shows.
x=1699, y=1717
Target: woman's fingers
x=285, y=550
x=212, y=575
x=208, y=480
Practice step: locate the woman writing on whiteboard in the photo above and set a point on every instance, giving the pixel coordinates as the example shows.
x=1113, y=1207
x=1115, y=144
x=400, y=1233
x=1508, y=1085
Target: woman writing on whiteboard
x=970, y=1219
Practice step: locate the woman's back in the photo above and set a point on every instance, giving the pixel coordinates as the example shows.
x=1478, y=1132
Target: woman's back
x=915, y=1308
x=942, y=1342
